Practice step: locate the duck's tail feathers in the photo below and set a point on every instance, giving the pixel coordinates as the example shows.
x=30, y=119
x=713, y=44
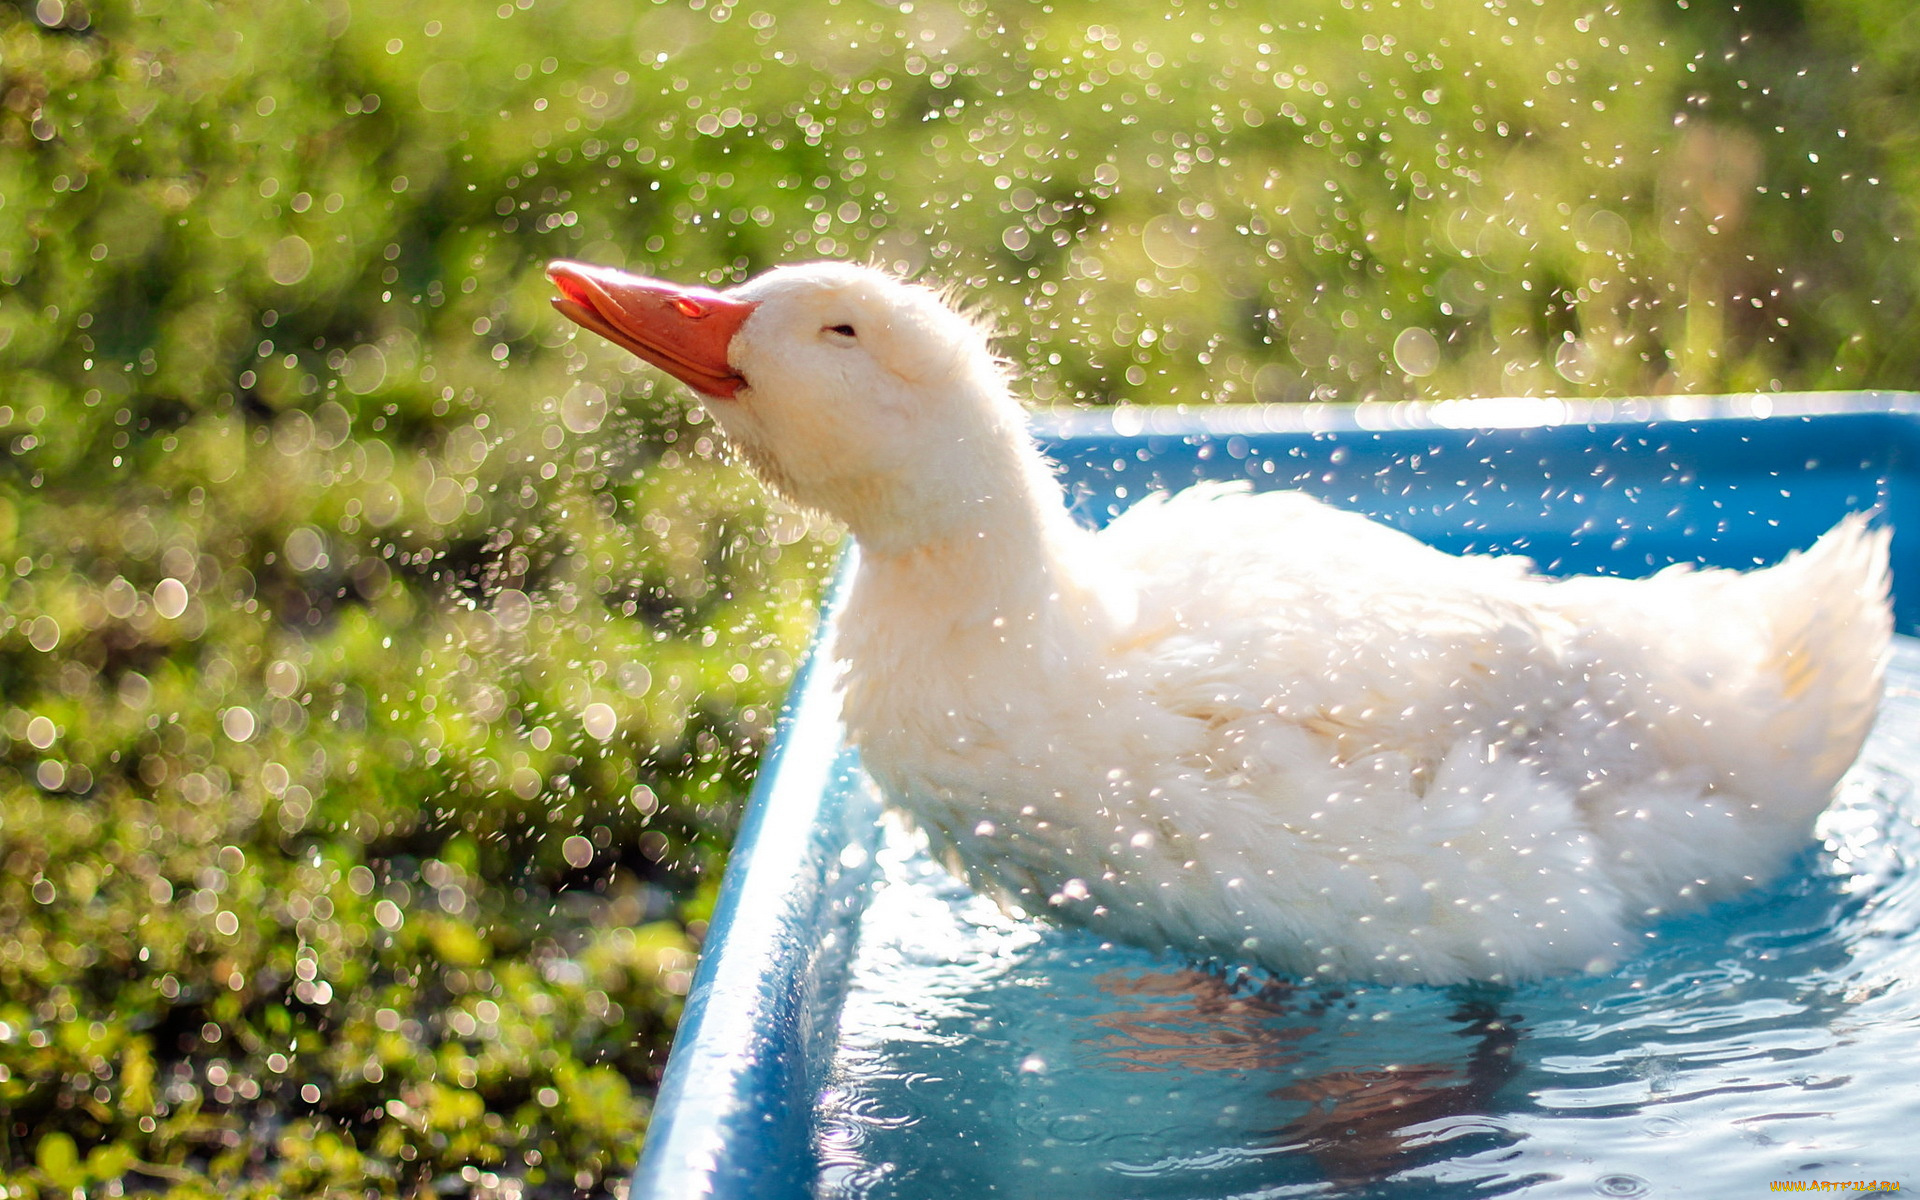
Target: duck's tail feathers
x=1832, y=626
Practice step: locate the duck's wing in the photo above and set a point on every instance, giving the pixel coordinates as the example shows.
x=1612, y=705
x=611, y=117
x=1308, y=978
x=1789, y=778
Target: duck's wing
x=1277, y=603
x=1226, y=530
x=1220, y=561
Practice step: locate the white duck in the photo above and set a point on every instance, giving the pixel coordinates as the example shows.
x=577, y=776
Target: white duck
x=1256, y=725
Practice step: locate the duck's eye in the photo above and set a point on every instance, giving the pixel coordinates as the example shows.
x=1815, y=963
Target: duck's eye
x=845, y=331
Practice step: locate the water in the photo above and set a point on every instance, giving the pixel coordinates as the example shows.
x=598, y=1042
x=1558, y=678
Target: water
x=1770, y=1038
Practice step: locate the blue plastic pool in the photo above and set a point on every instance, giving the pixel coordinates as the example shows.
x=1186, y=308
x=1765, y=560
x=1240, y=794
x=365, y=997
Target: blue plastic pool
x=862, y=1026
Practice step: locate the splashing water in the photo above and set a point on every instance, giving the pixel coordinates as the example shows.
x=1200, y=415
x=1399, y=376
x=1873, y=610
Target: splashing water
x=1765, y=1039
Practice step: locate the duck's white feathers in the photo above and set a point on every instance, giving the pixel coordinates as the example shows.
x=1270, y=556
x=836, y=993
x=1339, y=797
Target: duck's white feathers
x=1263, y=726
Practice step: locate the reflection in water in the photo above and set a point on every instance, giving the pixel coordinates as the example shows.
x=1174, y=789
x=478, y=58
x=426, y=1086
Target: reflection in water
x=1765, y=1039
x=1365, y=1126
x=1191, y=1020
x=1361, y=1126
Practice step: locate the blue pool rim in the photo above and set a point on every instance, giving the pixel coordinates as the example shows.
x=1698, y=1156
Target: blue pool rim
x=733, y=1117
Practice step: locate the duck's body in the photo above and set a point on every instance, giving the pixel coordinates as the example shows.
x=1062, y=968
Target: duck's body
x=1259, y=726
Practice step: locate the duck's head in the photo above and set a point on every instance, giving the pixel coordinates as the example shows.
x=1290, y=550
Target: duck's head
x=846, y=390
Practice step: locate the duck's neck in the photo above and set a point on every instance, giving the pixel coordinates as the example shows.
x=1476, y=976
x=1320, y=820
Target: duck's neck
x=1010, y=568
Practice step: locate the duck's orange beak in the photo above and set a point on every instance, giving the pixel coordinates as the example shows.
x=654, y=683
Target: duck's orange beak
x=683, y=331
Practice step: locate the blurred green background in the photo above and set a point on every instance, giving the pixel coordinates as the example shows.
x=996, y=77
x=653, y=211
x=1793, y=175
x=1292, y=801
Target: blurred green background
x=382, y=668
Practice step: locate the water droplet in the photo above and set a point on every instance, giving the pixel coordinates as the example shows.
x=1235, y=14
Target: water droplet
x=389, y=915
x=1416, y=351
x=43, y=634
x=1171, y=241
x=446, y=500
x=512, y=609
x=578, y=852
x=1620, y=1185
x=1574, y=361
x=293, y=433
x=170, y=598
x=384, y=503
x=365, y=370
x=600, y=721
x=306, y=551
x=1277, y=383
x=283, y=679
x=584, y=408
x=443, y=86
x=331, y=424
x=289, y=260
x=238, y=723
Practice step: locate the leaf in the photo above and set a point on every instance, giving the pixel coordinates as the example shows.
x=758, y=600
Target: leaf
x=59, y=1161
x=110, y=1161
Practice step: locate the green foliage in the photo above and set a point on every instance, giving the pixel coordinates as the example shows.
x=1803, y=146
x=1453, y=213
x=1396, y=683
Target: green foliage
x=381, y=667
